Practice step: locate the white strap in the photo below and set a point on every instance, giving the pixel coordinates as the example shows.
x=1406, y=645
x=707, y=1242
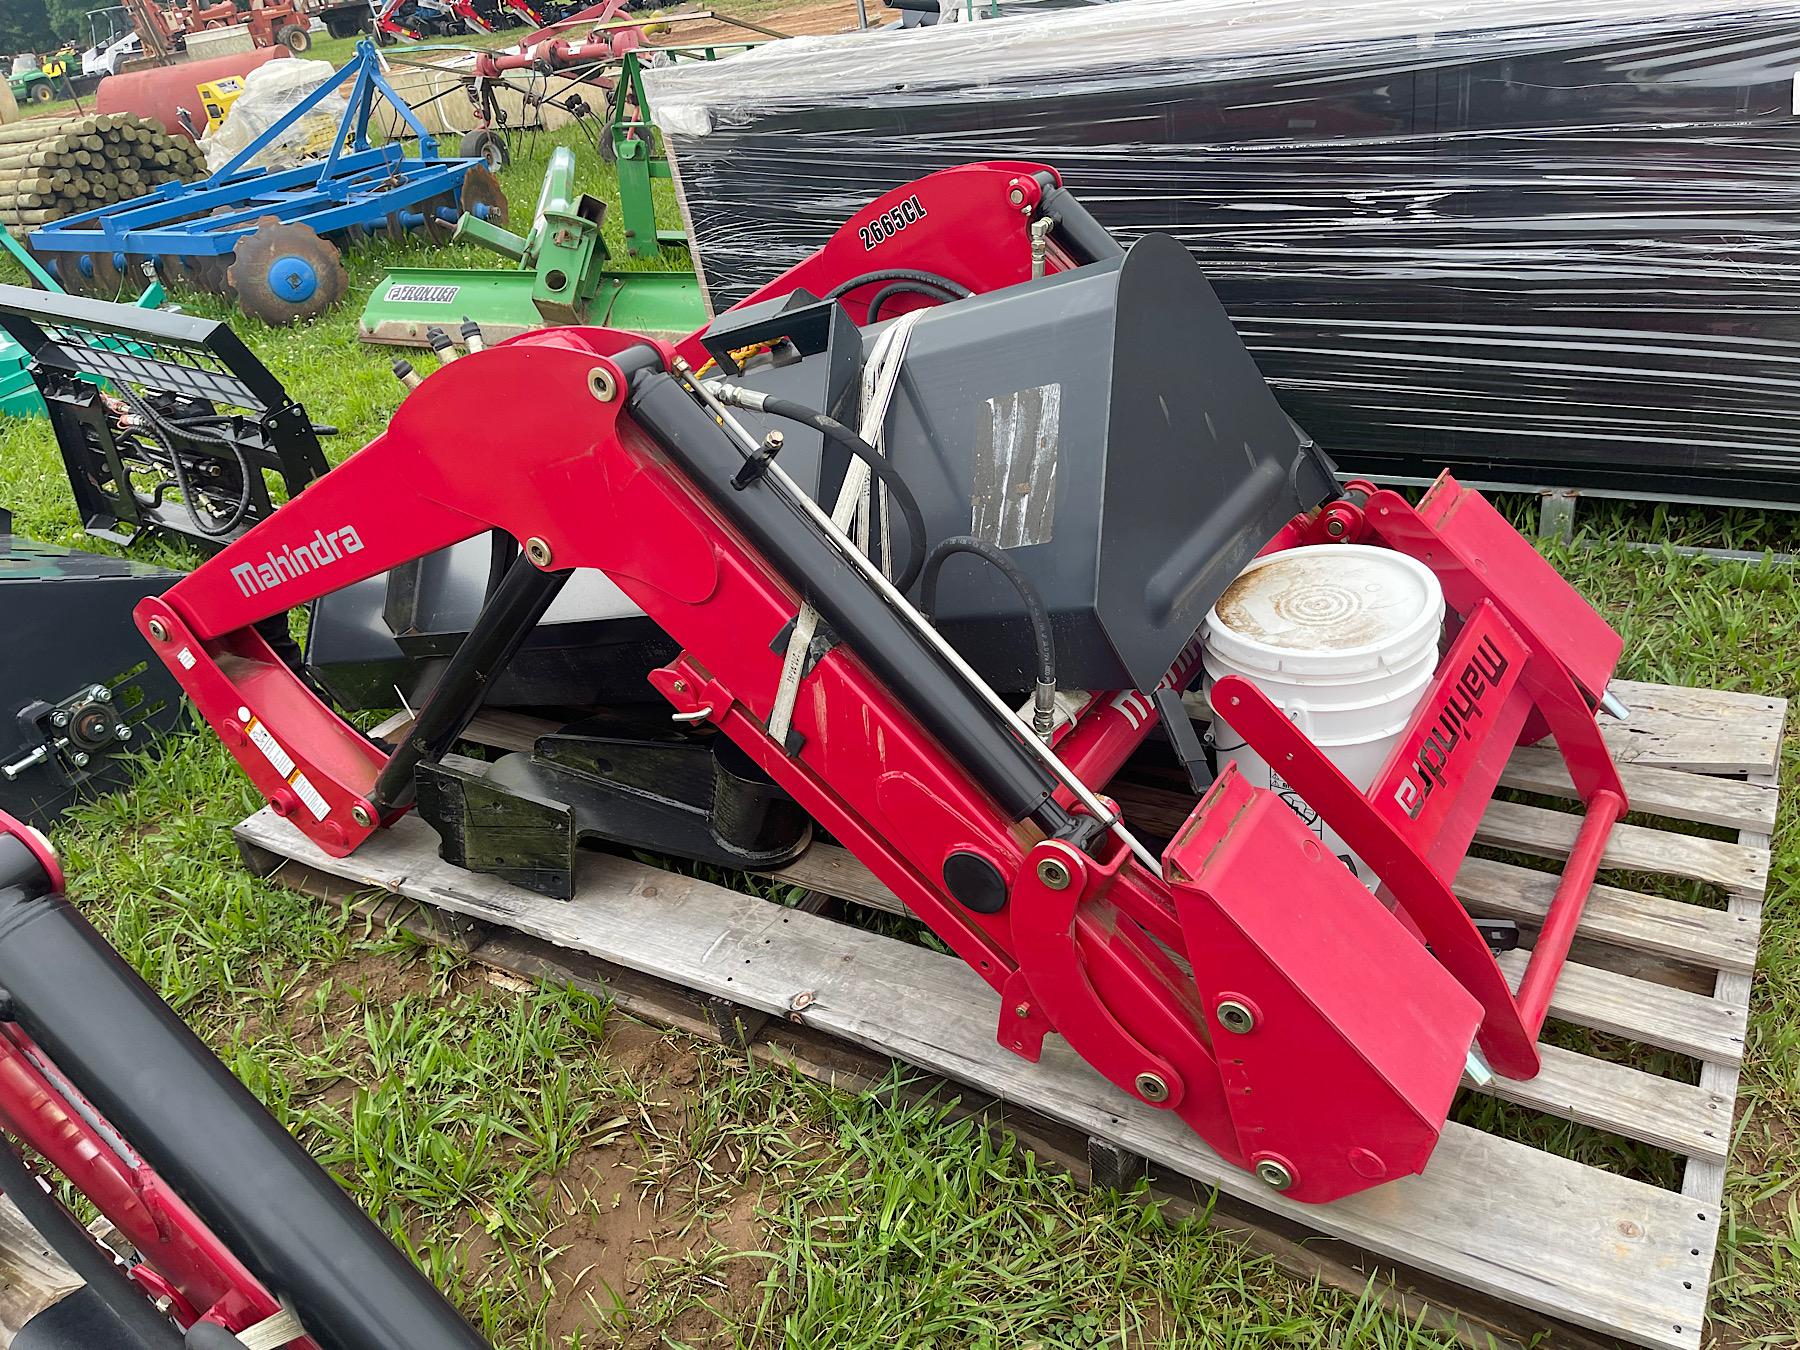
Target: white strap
x=273, y=1332
x=880, y=378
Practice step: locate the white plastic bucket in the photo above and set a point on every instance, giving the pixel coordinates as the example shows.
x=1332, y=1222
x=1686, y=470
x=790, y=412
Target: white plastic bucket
x=1343, y=638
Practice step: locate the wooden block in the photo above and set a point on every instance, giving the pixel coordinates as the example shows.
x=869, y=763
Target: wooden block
x=1114, y=1168
x=734, y=1024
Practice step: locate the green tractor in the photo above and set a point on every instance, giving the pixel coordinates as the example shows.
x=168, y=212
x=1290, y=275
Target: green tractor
x=29, y=82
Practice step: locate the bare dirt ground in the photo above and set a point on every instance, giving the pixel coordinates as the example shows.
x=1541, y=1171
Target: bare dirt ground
x=629, y=1217
x=803, y=19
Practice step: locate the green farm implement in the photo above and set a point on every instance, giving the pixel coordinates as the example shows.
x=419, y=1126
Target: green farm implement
x=560, y=276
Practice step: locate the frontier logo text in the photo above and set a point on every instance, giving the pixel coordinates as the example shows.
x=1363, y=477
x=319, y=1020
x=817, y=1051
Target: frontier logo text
x=1462, y=708
x=294, y=560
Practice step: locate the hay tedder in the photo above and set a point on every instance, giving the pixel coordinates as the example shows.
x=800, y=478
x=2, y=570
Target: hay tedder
x=416, y=20
x=913, y=549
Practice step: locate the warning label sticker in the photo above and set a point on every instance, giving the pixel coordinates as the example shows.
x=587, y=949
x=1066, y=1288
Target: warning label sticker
x=310, y=795
x=271, y=748
x=422, y=295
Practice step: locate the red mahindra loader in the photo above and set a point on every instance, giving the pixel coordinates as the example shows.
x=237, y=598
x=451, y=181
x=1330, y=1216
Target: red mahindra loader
x=925, y=532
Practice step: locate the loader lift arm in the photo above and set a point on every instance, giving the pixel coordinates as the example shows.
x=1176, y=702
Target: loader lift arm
x=618, y=461
x=228, y=1220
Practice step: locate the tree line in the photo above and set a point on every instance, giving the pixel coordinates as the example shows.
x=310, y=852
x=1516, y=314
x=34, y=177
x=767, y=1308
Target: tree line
x=44, y=25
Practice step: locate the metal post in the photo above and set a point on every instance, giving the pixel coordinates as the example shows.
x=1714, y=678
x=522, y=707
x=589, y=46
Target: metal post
x=1556, y=514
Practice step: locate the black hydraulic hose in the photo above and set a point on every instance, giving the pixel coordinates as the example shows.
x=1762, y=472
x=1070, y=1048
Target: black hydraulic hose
x=1028, y=593
x=955, y=290
x=895, y=651
x=162, y=430
x=878, y=465
x=893, y=288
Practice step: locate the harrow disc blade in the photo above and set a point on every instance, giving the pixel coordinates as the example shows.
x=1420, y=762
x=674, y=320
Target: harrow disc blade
x=75, y=273
x=47, y=260
x=197, y=272
x=284, y=272
x=480, y=189
x=437, y=229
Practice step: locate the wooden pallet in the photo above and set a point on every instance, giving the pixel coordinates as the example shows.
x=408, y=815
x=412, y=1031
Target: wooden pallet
x=1492, y=1217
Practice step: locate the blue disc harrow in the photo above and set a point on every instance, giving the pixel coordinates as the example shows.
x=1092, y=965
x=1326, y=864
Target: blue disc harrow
x=273, y=238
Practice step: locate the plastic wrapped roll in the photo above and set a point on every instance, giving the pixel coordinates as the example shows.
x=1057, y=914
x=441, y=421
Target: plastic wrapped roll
x=1555, y=242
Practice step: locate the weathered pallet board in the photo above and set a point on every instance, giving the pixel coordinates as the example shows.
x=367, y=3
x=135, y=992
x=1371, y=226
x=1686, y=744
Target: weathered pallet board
x=1490, y=1215
x=32, y=1277
x=1704, y=1179
x=1702, y=730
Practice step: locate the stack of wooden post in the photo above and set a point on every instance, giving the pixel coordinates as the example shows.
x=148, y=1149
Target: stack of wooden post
x=51, y=169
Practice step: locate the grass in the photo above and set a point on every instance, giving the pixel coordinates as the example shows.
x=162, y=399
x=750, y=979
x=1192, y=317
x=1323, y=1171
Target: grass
x=575, y=1180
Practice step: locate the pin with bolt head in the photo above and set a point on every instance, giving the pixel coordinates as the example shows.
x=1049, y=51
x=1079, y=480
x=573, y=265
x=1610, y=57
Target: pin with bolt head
x=1273, y=1175
x=1236, y=1017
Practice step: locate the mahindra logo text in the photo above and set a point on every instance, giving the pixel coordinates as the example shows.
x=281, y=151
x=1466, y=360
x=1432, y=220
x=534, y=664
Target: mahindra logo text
x=1462, y=707
x=323, y=549
x=1137, y=708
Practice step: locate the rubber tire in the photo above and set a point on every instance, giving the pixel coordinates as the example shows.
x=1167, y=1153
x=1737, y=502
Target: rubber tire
x=486, y=145
x=41, y=93
x=383, y=38
x=295, y=38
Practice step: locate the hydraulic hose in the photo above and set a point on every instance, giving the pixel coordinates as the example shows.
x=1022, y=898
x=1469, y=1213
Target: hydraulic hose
x=165, y=431
x=894, y=288
x=1044, y=698
x=900, y=280
x=955, y=289
x=878, y=463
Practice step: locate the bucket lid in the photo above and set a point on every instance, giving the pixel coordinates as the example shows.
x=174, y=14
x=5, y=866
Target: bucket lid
x=1328, y=608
